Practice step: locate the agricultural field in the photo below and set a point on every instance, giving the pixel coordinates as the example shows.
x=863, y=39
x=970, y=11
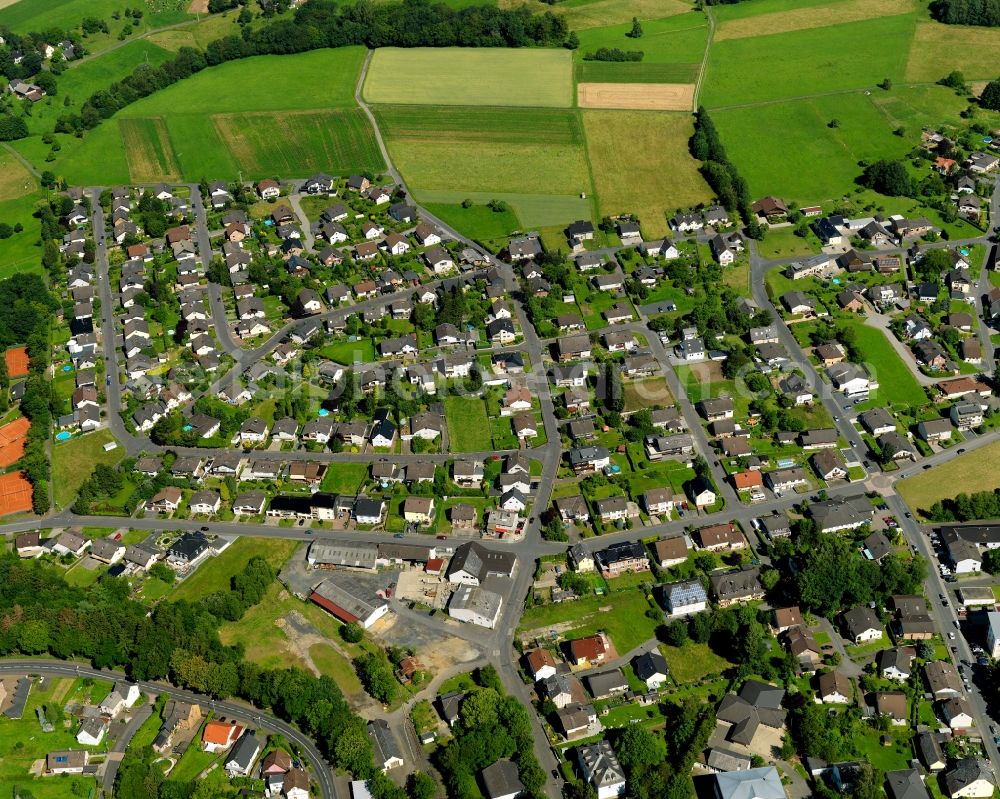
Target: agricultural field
x=651, y=177
x=583, y=14
x=338, y=141
x=636, y=96
x=151, y=157
x=938, y=49
x=478, y=222
x=673, y=49
x=821, y=60
x=492, y=152
x=968, y=473
x=461, y=76
x=20, y=253
x=796, y=17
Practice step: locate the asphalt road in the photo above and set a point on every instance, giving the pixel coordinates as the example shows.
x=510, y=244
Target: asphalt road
x=245, y=713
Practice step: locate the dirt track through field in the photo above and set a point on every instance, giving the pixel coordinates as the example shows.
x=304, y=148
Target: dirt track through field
x=636, y=96
x=811, y=17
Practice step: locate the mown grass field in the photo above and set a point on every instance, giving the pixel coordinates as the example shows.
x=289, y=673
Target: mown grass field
x=20, y=253
x=478, y=222
x=672, y=47
x=811, y=62
x=311, y=80
x=974, y=471
x=896, y=382
x=15, y=180
x=468, y=76
x=651, y=176
x=938, y=49
x=468, y=425
x=810, y=16
x=222, y=568
x=495, y=151
x=529, y=210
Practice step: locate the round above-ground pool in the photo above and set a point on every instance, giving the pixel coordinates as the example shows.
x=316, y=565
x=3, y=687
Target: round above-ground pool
x=64, y=435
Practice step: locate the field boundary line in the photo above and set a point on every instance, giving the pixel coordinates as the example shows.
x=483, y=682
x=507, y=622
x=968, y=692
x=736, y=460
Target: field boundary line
x=24, y=161
x=703, y=68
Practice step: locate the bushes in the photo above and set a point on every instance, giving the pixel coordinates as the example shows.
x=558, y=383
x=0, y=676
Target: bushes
x=614, y=54
x=321, y=23
x=967, y=12
x=719, y=172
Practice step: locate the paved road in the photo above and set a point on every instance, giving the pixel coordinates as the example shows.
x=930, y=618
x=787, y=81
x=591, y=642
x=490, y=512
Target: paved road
x=223, y=332
x=249, y=715
x=114, y=758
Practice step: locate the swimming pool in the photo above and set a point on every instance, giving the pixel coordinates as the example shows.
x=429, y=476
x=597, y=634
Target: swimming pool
x=64, y=435
x=67, y=368
x=323, y=412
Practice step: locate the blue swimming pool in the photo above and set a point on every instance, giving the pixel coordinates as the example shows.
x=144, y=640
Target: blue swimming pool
x=67, y=368
x=324, y=412
x=64, y=435
x=188, y=428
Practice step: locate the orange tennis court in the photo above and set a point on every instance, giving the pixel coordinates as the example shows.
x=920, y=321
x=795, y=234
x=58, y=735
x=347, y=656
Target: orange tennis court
x=15, y=493
x=13, y=438
x=17, y=362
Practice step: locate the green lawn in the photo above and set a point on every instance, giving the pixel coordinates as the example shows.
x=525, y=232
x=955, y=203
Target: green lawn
x=21, y=253
x=344, y=478
x=896, y=382
x=214, y=575
x=331, y=663
x=622, y=615
x=693, y=662
x=348, y=352
x=194, y=761
x=471, y=76
x=22, y=743
x=73, y=462
x=468, y=425
x=477, y=222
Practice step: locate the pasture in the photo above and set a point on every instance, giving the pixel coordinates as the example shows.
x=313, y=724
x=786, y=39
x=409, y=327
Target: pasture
x=147, y=146
x=583, y=14
x=938, y=49
x=809, y=161
x=468, y=76
x=15, y=180
x=673, y=40
x=812, y=62
x=316, y=79
x=493, y=151
x=811, y=16
x=83, y=78
x=653, y=175
x=39, y=15
x=636, y=96
x=21, y=253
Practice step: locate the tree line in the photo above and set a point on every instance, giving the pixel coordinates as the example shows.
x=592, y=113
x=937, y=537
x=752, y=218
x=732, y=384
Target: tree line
x=720, y=173
x=322, y=23
x=178, y=641
x=967, y=12
x=26, y=311
x=967, y=507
